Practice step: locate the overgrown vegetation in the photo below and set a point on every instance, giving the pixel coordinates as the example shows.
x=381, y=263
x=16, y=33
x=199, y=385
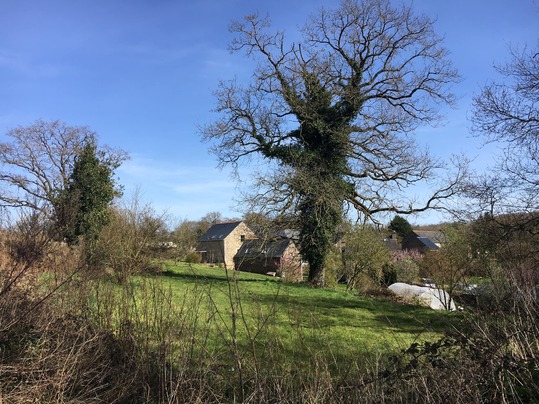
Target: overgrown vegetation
x=192, y=333
x=133, y=325
x=195, y=333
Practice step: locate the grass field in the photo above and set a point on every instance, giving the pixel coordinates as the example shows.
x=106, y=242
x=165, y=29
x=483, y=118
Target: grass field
x=252, y=314
x=194, y=333
x=234, y=334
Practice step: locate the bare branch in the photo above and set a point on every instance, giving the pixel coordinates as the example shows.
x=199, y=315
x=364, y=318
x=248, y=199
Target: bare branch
x=335, y=112
x=36, y=164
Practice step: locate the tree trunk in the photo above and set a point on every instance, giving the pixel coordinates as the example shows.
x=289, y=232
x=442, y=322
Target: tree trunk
x=316, y=276
x=319, y=219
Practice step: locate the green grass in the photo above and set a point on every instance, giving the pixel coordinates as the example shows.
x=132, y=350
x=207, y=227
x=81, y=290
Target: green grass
x=236, y=330
x=250, y=312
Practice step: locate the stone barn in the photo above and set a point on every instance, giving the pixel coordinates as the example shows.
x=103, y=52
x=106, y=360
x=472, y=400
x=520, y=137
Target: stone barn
x=279, y=257
x=220, y=243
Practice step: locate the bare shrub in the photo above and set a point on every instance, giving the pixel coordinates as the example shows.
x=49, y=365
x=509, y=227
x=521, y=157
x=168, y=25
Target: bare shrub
x=65, y=358
x=125, y=244
x=27, y=240
x=193, y=257
x=52, y=349
x=185, y=235
x=483, y=361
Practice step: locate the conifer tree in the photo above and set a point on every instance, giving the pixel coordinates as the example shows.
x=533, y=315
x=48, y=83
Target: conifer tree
x=83, y=207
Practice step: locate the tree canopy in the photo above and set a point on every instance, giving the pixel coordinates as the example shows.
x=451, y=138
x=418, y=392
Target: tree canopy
x=401, y=226
x=83, y=206
x=37, y=163
x=507, y=111
x=335, y=112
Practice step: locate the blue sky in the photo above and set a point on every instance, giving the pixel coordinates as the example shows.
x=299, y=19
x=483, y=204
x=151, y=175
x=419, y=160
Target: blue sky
x=141, y=73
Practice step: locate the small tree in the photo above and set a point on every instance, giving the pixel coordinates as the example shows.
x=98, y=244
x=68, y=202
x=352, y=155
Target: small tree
x=451, y=264
x=125, y=242
x=334, y=266
x=83, y=207
x=365, y=256
x=404, y=267
x=185, y=235
x=505, y=249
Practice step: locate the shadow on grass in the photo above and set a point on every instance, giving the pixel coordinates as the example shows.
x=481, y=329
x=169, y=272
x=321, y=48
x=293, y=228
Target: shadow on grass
x=344, y=330
x=194, y=277
x=360, y=313
x=325, y=308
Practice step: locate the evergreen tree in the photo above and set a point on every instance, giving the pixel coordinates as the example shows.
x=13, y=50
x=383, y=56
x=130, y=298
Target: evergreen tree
x=36, y=162
x=400, y=226
x=83, y=207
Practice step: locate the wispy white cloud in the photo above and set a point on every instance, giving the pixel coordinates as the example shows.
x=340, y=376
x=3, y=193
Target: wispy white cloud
x=145, y=169
x=148, y=169
x=183, y=191
x=23, y=65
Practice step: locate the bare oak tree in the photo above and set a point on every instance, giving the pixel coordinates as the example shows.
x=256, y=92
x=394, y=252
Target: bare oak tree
x=335, y=112
x=38, y=161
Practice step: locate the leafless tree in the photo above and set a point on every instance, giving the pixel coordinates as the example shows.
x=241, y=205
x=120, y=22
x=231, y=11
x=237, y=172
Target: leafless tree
x=504, y=200
x=39, y=159
x=507, y=111
x=336, y=113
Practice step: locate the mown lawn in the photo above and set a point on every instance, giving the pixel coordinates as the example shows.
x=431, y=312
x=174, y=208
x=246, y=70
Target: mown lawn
x=252, y=313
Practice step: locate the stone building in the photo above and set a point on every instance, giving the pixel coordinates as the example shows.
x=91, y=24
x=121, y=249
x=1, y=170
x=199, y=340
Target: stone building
x=222, y=241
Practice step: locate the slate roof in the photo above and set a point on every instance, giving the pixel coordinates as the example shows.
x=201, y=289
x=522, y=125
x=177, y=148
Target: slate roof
x=219, y=231
x=434, y=236
x=428, y=242
x=263, y=248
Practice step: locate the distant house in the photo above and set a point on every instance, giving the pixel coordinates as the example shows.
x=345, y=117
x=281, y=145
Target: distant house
x=278, y=256
x=423, y=241
x=392, y=242
x=222, y=241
